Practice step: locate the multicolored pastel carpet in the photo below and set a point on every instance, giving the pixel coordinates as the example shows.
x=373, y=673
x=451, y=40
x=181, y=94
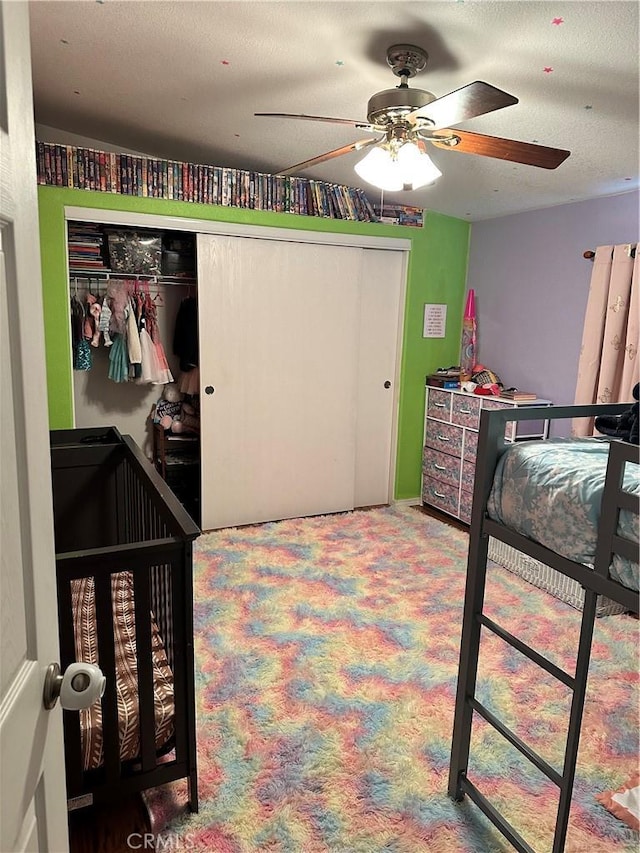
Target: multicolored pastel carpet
x=327, y=654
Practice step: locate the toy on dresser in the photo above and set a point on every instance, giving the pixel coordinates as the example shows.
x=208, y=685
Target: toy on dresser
x=177, y=412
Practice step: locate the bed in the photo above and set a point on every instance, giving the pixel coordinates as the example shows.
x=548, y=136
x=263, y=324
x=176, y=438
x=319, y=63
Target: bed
x=125, y=601
x=571, y=504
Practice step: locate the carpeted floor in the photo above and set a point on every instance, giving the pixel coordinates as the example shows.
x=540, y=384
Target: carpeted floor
x=326, y=656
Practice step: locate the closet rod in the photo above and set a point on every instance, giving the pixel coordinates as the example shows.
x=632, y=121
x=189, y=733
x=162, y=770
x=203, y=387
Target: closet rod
x=155, y=293
x=107, y=274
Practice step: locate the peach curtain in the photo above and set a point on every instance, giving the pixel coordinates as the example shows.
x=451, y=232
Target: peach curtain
x=608, y=366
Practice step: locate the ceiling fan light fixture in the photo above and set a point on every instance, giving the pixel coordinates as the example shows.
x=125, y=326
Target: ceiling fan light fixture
x=378, y=168
x=418, y=169
x=393, y=170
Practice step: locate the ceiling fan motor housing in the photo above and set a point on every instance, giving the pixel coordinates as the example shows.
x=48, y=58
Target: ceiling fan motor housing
x=391, y=105
x=407, y=60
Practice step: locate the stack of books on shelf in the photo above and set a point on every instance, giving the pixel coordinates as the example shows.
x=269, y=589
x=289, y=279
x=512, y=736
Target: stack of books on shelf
x=448, y=377
x=86, y=247
x=87, y=169
x=399, y=214
x=514, y=394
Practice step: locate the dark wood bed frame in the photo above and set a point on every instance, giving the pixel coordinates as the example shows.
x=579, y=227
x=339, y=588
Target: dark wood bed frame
x=114, y=513
x=596, y=581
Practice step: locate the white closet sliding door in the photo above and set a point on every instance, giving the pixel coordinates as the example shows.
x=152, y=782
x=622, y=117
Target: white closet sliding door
x=382, y=277
x=279, y=345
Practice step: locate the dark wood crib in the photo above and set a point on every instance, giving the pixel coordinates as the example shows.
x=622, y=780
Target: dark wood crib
x=125, y=601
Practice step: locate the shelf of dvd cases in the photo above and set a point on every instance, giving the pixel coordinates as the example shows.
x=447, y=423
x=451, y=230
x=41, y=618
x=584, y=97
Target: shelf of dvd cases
x=125, y=174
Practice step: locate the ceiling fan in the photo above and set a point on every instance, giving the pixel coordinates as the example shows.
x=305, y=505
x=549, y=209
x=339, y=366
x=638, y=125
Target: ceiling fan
x=405, y=120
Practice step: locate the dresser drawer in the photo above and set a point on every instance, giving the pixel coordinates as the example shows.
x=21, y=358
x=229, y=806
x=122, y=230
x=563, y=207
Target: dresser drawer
x=441, y=466
x=466, y=501
x=470, y=447
x=465, y=411
x=493, y=405
x=444, y=437
x=468, y=476
x=441, y=495
x=439, y=404
x=488, y=403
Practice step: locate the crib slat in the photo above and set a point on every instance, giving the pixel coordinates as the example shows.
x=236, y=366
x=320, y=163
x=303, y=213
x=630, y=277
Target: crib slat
x=106, y=655
x=190, y=688
x=147, y=723
x=119, y=505
x=71, y=719
x=177, y=616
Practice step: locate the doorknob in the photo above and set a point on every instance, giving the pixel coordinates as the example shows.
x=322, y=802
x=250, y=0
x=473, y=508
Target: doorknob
x=80, y=686
x=387, y=384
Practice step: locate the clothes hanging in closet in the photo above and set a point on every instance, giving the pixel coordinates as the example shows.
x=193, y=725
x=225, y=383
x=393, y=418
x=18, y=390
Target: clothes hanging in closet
x=126, y=320
x=185, y=338
x=185, y=346
x=80, y=345
x=154, y=360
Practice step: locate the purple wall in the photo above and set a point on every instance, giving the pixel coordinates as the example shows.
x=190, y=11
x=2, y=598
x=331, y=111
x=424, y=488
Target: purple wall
x=532, y=283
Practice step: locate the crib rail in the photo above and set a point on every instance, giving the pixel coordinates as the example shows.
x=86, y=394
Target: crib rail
x=113, y=514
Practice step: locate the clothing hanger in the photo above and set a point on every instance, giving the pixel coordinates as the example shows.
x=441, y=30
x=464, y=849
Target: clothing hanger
x=158, y=299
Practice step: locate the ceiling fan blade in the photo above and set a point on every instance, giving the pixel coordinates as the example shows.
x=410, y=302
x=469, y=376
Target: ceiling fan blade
x=351, y=122
x=322, y=158
x=505, y=149
x=470, y=101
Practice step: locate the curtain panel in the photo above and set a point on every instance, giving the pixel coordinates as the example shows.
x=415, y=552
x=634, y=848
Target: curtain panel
x=608, y=365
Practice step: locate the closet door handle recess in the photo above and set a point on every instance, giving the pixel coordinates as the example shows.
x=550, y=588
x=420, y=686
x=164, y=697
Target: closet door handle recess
x=387, y=384
x=209, y=389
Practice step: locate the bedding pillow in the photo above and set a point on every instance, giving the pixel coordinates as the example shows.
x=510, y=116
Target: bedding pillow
x=625, y=802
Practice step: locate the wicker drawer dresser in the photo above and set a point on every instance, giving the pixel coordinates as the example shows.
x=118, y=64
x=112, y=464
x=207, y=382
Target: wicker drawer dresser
x=452, y=419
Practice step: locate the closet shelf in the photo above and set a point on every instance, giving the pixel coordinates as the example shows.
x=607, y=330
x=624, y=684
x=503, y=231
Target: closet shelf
x=106, y=274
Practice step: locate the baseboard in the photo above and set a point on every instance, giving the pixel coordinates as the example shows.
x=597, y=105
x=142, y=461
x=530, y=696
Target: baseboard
x=408, y=502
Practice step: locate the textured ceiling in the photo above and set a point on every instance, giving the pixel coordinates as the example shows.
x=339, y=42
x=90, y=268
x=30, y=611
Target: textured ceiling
x=182, y=80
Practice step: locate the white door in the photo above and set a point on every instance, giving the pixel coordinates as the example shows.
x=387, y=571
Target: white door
x=33, y=814
x=278, y=326
x=382, y=281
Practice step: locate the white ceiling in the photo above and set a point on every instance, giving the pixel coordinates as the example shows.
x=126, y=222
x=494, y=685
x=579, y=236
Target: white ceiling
x=182, y=80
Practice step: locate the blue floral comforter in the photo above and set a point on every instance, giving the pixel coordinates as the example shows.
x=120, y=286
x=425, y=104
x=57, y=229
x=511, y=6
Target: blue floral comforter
x=551, y=491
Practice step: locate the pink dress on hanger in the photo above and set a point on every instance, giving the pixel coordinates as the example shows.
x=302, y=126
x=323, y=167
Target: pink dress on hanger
x=151, y=369
x=155, y=368
x=154, y=332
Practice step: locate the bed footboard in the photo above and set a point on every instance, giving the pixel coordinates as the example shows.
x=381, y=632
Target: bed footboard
x=595, y=581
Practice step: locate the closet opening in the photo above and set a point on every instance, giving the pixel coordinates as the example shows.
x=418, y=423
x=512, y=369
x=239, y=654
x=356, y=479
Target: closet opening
x=297, y=338
x=135, y=352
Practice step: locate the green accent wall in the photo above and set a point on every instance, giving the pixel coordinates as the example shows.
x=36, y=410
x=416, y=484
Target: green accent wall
x=437, y=274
